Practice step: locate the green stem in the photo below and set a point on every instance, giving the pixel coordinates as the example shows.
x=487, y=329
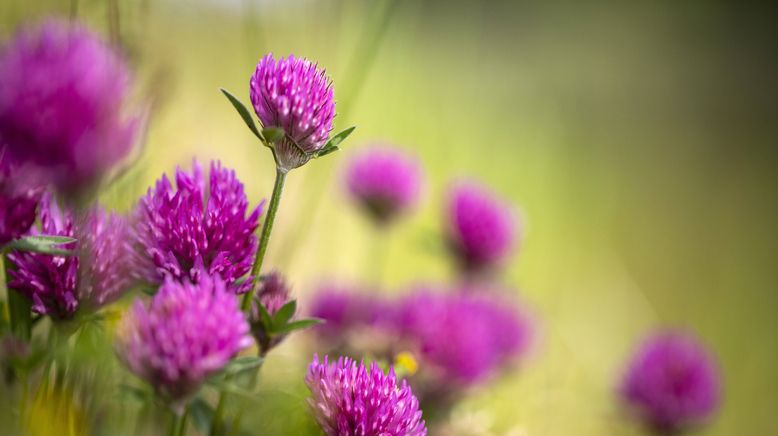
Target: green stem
x=217, y=423
x=19, y=307
x=264, y=238
x=179, y=423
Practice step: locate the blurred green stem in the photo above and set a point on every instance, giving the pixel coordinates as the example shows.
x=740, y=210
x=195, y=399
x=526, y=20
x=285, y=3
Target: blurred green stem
x=264, y=238
x=19, y=307
x=217, y=423
x=179, y=423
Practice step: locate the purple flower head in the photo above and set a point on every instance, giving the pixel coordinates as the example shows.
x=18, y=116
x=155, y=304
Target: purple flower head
x=18, y=201
x=273, y=294
x=182, y=230
x=672, y=382
x=349, y=399
x=95, y=275
x=384, y=181
x=61, y=97
x=481, y=227
x=482, y=333
x=187, y=333
x=294, y=95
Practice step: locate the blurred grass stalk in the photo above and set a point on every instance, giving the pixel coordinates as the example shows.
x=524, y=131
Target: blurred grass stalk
x=360, y=64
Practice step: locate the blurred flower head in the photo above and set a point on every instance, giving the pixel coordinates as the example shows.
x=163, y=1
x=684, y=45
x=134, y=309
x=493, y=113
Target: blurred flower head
x=482, y=228
x=672, y=382
x=181, y=231
x=273, y=294
x=96, y=274
x=62, y=93
x=187, y=333
x=19, y=198
x=464, y=338
x=345, y=310
x=384, y=181
x=294, y=95
x=349, y=399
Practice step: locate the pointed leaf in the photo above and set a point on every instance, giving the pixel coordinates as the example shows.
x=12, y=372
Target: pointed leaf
x=299, y=325
x=337, y=139
x=46, y=244
x=264, y=316
x=273, y=134
x=284, y=314
x=241, y=364
x=201, y=413
x=243, y=112
x=326, y=151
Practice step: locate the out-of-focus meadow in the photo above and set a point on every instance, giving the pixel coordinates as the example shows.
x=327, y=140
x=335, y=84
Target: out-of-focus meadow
x=638, y=139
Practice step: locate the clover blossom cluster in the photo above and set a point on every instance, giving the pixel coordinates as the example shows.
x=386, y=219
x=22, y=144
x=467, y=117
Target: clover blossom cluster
x=196, y=225
x=351, y=399
x=187, y=332
x=96, y=274
x=62, y=95
x=192, y=240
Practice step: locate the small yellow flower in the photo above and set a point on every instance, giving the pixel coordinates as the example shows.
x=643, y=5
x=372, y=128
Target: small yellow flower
x=405, y=364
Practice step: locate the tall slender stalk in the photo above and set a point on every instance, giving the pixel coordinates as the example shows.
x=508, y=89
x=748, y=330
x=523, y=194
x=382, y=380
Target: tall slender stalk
x=356, y=73
x=264, y=238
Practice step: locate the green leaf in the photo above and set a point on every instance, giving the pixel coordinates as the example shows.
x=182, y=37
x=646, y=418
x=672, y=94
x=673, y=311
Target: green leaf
x=46, y=244
x=201, y=413
x=243, y=112
x=273, y=134
x=326, y=151
x=242, y=364
x=337, y=139
x=264, y=315
x=298, y=325
x=284, y=314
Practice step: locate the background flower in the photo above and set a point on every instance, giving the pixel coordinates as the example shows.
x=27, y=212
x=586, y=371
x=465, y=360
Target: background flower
x=96, y=274
x=482, y=228
x=62, y=93
x=465, y=338
x=348, y=399
x=294, y=95
x=187, y=332
x=181, y=230
x=384, y=181
x=672, y=382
